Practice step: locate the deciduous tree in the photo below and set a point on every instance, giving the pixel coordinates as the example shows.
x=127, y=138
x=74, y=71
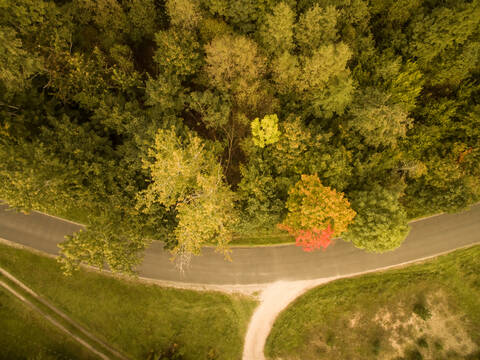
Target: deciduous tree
x=188, y=179
x=183, y=14
x=381, y=223
x=324, y=84
x=276, y=32
x=378, y=121
x=315, y=28
x=265, y=131
x=178, y=53
x=313, y=207
x=234, y=65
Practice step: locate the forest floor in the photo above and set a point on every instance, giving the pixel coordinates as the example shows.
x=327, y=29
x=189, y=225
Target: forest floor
x=425, y=311
x=136, y=318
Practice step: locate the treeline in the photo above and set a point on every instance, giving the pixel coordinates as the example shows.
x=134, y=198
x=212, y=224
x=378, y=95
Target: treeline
x=189, y=121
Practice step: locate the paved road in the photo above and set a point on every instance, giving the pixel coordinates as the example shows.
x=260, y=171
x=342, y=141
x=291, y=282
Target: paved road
x=263, y=264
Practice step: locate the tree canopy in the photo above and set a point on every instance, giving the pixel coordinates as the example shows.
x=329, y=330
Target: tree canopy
x=195, y=121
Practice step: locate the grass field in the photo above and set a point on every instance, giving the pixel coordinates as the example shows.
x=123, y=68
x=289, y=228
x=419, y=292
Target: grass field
x=135, y=317
x=27, y=335
x=425, y=311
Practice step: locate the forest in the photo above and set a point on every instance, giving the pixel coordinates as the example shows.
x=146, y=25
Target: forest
x=193, y=121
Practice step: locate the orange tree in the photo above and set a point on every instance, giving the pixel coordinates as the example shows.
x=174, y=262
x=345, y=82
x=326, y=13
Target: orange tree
x=316, y=213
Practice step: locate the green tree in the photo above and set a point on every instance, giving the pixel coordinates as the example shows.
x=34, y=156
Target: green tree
x=142, y=19
x=286, y=72
x=211, y=28
x=443, y=39
x=178, y=53
x=77, y=78
x=403, y=82
x=445, y=139
x=379, y=123
x=276, y=32
x=26, y=17
x=108, y=17
x=445, y=186
x=315, y=28
x=325, y=63
x=214, y=109
x=244, y=15
x=16, y=64
x=114, y=240
x=325, y=85
x=262, y=193
x=165, y=95
x=381, y=223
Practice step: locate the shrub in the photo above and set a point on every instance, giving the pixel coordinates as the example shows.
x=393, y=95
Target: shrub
x=422, y=311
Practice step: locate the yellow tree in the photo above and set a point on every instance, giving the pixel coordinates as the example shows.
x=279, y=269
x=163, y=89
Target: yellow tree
x=234, y=65
x=187, y=178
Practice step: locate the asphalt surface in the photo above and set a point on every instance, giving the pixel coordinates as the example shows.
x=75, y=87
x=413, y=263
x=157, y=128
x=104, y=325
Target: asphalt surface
x=259, y=265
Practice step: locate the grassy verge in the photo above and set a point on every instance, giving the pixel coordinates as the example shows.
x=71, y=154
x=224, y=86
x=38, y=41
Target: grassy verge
x=260, y=240
x=26, y=334
x=135, y=317
x=425, y=311
x=278, y=237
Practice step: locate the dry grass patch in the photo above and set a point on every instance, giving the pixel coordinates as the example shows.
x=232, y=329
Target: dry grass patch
x=442, y=333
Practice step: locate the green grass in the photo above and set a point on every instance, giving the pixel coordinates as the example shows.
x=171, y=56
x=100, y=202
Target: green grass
x=260, y=240
x=425, y=311
x=135, y=317
x=26, y=334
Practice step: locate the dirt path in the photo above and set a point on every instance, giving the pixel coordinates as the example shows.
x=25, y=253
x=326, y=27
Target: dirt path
x=273, y=300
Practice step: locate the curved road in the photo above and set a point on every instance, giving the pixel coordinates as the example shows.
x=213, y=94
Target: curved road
x=261, y=265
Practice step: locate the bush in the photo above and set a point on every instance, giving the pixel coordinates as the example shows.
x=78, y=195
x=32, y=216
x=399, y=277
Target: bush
x=376, y=346
x=422, y=342
x=422, y=311
x=413, y=354
x=173, y=352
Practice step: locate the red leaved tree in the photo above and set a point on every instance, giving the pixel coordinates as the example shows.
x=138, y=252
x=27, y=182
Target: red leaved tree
x=316, y=213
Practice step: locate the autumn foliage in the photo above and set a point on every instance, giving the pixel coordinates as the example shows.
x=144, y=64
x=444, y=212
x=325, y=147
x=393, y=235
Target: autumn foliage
x=311, y=239
x=316, y=213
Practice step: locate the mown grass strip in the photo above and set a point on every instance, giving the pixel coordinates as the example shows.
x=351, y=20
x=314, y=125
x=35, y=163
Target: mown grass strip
x=52, y=321
x=45, y=308
x=26, y=334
